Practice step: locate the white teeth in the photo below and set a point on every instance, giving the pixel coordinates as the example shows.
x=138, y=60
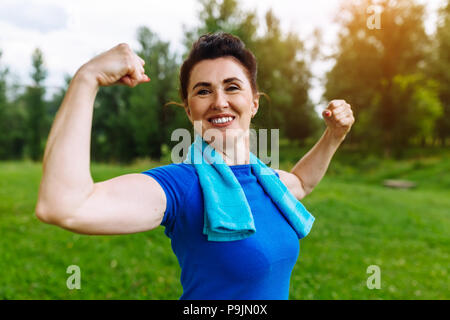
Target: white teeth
x=222, y=120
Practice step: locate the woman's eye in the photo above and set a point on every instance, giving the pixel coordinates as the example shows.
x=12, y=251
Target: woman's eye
x=203, y=92
x=232, y=88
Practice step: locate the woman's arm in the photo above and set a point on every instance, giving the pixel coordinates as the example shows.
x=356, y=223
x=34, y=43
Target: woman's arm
x=68, y=196
x=311, y=168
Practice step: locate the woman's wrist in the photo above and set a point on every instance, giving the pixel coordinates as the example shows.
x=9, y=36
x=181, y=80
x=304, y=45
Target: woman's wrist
x=332, y=138
x=87, y=76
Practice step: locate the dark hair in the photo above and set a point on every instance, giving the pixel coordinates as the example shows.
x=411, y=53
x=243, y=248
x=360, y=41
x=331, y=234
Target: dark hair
x=217, y=45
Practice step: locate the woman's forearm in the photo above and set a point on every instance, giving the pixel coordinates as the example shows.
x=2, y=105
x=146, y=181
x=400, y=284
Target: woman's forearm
x=66, y=179
x=311, y=168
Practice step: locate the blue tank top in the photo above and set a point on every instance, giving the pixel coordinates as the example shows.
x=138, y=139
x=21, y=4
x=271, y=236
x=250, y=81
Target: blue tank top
x=255, y=268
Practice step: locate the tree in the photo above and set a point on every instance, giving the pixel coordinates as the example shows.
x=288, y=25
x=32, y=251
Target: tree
x=224, y=16
x=283, y=74
x=12, y=119
x=5, y=138
x=439, y=69
x=34, y=97
x=367, y=62
x=416, y=99
x=111, y=135
x=133, y=122
x=153, y=122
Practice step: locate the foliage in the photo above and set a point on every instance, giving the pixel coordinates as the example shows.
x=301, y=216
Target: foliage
x=285, y=77
x=133, y=122
x=36, y=106
x=223, y=16
x=368, y=61
x=13, y=116
x=439, y=69
x=419, y=104
x=393, y=77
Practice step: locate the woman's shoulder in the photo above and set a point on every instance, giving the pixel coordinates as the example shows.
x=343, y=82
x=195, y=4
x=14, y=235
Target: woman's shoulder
x=183, y=170
x=174, y=167
x=178, y=174
x=177, y=180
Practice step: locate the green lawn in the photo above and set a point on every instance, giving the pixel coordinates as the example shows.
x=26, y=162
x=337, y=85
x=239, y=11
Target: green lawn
x=358, y=223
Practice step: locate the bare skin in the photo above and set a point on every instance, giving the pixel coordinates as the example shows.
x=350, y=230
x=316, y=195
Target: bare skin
x=132, y=203
x=68, y=197
x=311, y=168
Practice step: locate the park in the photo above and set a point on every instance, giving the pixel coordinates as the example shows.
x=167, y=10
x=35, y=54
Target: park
x=382, y=228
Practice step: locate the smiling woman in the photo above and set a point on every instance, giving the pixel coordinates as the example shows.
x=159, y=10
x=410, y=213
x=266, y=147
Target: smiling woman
x=221, y=72
x=234, y=102
x=234, y=226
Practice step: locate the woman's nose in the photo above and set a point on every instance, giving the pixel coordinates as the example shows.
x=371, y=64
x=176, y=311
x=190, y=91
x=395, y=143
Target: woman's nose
x=220, y=100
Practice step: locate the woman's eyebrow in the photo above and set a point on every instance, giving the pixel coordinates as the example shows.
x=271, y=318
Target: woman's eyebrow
x=231, y=80
x=208, y=84
x=201, y=84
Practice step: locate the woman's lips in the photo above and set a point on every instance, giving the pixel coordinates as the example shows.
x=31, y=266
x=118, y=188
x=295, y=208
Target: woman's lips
x=222, y=125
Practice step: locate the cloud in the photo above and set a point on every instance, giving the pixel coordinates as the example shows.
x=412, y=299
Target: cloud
x=37, y=17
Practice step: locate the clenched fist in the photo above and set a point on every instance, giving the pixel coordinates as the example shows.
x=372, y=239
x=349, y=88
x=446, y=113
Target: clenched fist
x=339, y=118
x=117, y=65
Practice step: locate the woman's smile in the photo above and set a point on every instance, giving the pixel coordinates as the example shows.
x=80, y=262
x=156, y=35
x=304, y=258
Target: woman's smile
x=221, y=120
x=220, y=94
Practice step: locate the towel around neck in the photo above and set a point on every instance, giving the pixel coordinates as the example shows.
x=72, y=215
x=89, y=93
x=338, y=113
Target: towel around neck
x=228, y=216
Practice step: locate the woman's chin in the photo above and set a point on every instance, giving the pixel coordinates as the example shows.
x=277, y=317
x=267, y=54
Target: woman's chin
x=230, y=138
x=227, y=133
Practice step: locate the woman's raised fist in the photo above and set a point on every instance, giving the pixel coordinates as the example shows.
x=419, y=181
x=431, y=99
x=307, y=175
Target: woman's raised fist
x=118, y=65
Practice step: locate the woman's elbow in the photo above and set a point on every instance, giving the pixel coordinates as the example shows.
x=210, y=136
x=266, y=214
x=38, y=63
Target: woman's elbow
x=300, y=194
x=303, y=190
x=42, y=213
x=49, y=215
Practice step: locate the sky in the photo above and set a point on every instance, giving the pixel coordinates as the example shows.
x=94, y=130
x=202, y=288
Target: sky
x=71, y=32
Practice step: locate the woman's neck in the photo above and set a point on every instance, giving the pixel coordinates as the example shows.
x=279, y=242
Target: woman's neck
x=235, y=154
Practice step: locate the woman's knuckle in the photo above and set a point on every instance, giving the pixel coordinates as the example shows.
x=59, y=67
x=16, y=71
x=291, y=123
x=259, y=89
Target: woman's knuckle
x=124, y=46
x=128, y=62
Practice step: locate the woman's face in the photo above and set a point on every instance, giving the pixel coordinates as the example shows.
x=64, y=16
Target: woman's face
x=220, y=96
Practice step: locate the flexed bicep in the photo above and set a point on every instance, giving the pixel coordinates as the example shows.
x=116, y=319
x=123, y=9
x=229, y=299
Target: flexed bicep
x=126, y=204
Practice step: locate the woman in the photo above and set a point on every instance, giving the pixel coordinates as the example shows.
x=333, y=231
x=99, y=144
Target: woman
x=252, y=259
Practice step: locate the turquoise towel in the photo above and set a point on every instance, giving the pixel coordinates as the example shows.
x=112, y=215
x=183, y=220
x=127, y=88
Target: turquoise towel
x=228, y=215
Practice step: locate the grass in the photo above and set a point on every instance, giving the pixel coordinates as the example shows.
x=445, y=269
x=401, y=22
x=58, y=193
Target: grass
x=358, y=223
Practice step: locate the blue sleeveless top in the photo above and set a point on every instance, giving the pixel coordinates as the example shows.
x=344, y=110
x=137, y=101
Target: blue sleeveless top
x=255, y=268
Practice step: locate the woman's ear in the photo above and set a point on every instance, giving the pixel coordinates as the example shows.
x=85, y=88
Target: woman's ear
x=255, y=106
x=188, y=111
